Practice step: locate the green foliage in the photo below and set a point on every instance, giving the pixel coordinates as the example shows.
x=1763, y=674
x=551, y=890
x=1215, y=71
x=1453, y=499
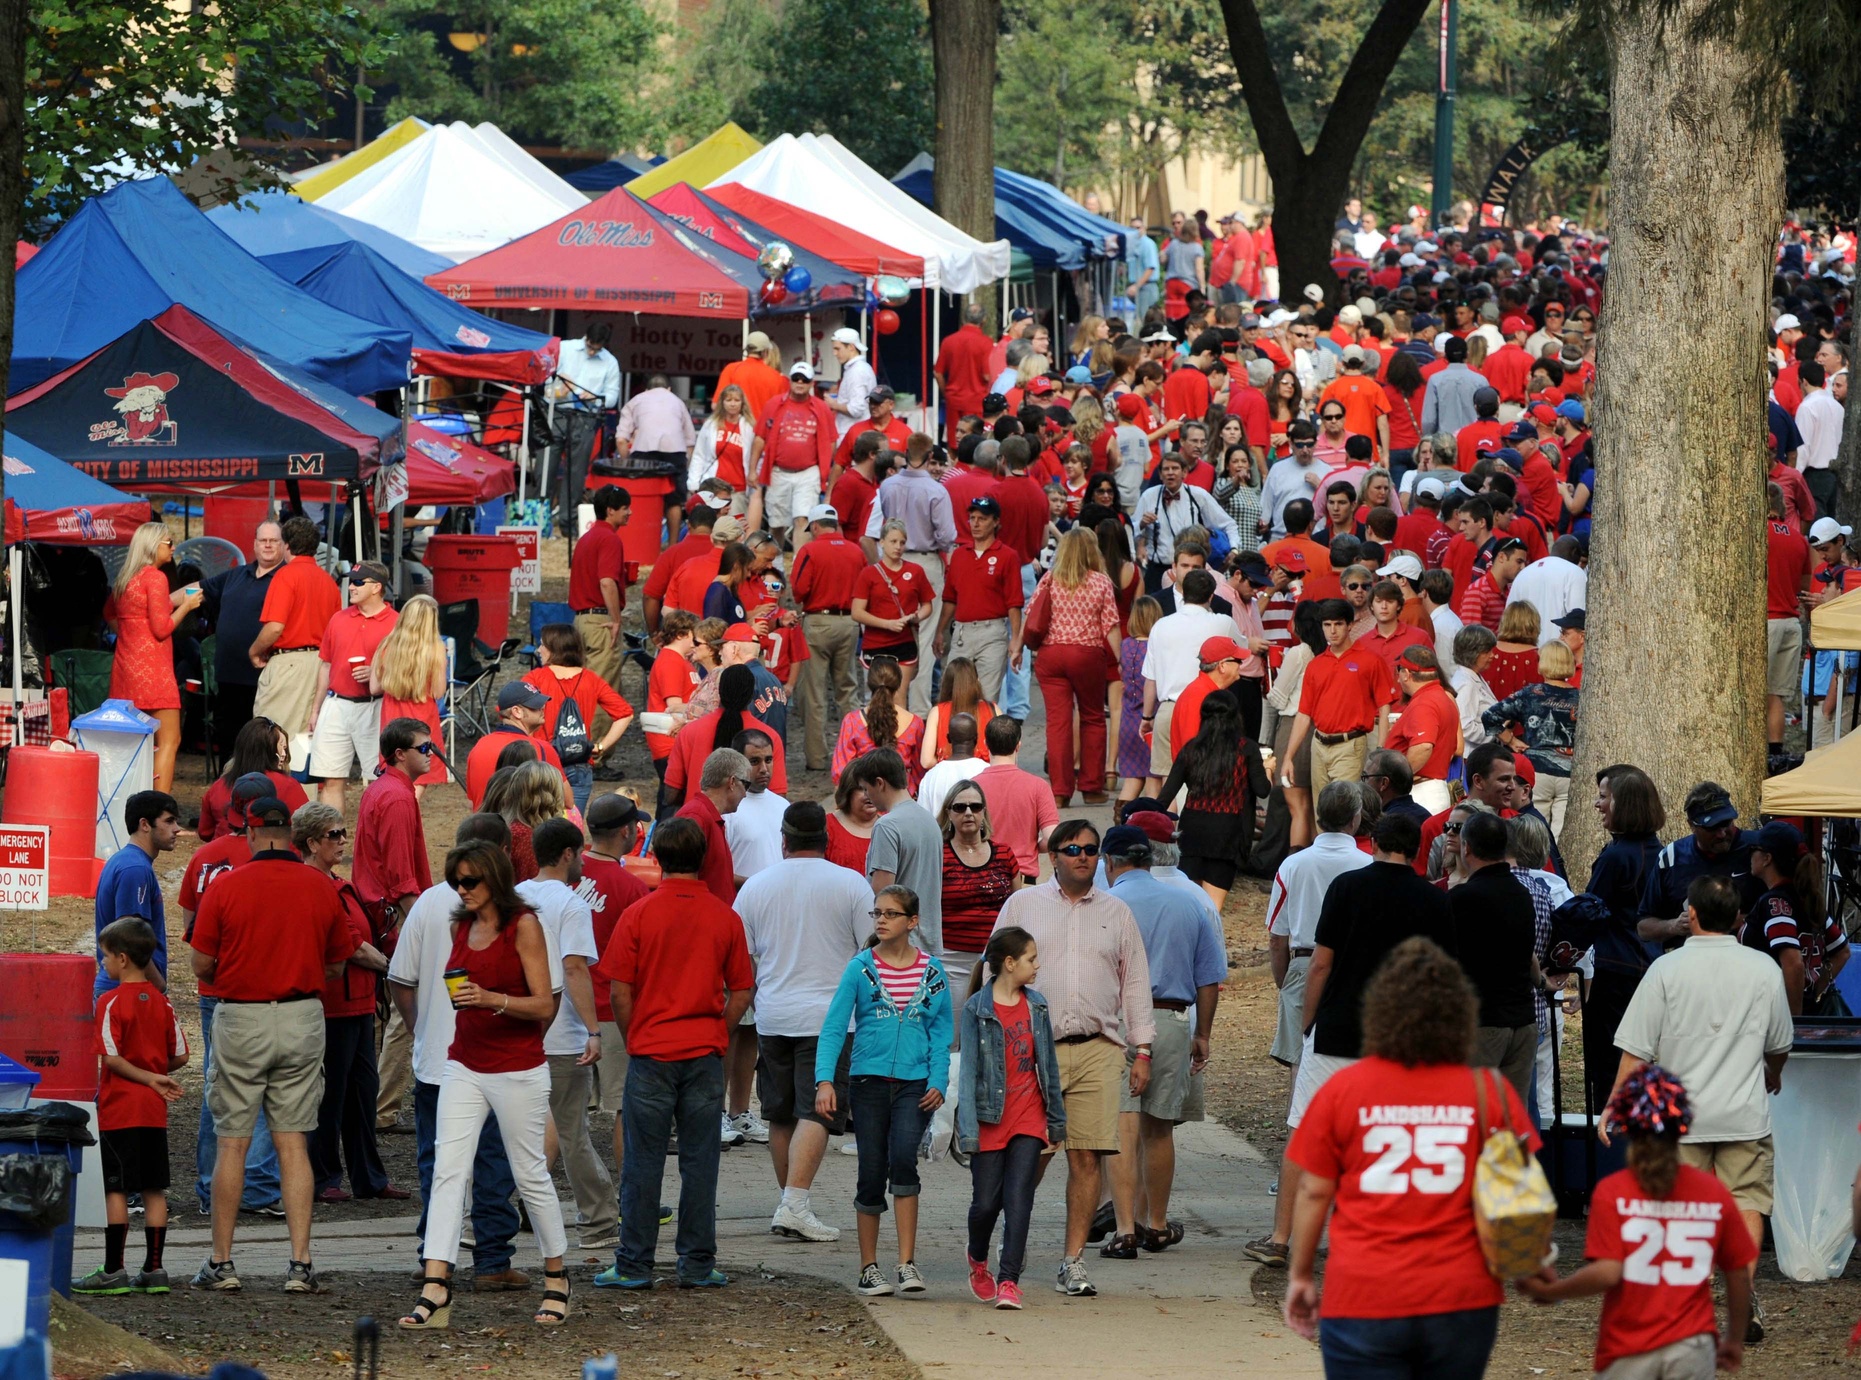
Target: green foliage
x=569, y=72
x=717, y=69
x=144, y=83
x=859, y=70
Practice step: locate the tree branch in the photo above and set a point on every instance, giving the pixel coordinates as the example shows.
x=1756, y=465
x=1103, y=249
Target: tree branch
x=1354, y=106
x=1280, y=145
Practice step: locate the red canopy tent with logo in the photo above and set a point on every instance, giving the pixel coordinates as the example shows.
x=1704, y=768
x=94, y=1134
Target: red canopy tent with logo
x=848, y=248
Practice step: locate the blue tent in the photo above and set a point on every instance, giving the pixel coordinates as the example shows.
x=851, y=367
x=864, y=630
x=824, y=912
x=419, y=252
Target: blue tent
x=1049, y=202
x=617, y=171
x=1046, y=246
x=448, y=338
x=59, y=503
x=280, y=222
x=140, y=248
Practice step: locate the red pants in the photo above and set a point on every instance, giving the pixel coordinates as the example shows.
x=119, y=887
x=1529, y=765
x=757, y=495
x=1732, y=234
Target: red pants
x=1069, y=676
x=954, y=409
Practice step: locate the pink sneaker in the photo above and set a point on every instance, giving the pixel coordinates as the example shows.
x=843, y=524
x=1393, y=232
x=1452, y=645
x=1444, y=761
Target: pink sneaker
x=1008, y=1296
x=981, y=1282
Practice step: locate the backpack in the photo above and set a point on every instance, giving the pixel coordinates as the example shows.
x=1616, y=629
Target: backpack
x=571, y=740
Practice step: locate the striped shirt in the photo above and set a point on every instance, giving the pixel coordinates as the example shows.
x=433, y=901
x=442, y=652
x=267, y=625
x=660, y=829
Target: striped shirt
x=901, y=984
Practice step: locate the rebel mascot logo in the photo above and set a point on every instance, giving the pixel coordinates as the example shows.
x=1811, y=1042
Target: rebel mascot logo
x=142, y=412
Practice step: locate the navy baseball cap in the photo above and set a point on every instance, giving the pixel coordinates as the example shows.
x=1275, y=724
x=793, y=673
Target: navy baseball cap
x=1714, y=812
x=1124, y=841
x=985, y=504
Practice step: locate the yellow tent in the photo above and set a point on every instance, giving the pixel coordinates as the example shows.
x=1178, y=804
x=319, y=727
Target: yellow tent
x=1828, y=783
x=701, y=164
x=327, y=179
x=1836, y=625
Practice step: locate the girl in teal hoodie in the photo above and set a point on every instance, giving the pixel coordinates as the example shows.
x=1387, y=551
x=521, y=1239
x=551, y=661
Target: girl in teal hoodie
x=898, y=1000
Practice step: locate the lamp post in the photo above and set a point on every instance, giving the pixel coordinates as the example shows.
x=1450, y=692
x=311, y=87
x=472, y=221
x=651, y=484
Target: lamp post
x=1444, y=117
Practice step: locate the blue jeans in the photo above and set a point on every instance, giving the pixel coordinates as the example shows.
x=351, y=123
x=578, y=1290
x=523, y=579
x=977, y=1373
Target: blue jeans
x=262, y=1186
x=1435, y=1346
x=663, y=1094
x=494, y=1219
x=581, y=783
x=887, y=1124
x=1013, y=699
x=1002, y=1185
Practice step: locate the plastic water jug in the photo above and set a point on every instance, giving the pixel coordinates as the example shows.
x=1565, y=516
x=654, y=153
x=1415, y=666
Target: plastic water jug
x=123, y=737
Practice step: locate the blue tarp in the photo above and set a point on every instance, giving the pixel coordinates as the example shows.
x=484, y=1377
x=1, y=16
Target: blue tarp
x=63, y=504
x=278, y=222
x=140, y=248
x=1053, y=205
x=1046, y=246
x=354, y=278
x=619, y=170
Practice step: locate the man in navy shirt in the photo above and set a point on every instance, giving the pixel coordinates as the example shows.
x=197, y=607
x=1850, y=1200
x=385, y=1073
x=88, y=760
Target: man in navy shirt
x=1717, y=847
x=233, y=602
x=127, y=885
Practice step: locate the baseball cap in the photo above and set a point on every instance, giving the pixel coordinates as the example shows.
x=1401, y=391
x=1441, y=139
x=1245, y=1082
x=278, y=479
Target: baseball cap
x=268, y=811
x=606, y=813
x=1079, y=374
x=1422, y=321
x=1514, y=324
x=1221, y=649
x=1349, y=315
x=801, y=369
x=846, y=335
x=1160, y=336
x=984, y=504
x=1254, y=570
x=1129, y=405
x=757, y=342
x=1507, y=456
x=1124, y=841
x=740, y=632
x=882, y=393
x=823, y=512
x=1353, y=354
x=1155, y=825
x=1545, y=413
x=519, y=695
x=727, y=529
x=363, y=571
x=1039, y=386
x=1523, y=430
x=1292, y=562
x=1828, y=529
x=1404, y=565
x=1573, y=620
x=1713, y=812
x=254, y=785
x=1410, y=260
x=1788, y=322
x=715, y=502
x=1571, y=408
x=1250, y=321
x=1313, y=293
x=1782, y=840
x=1020, y=314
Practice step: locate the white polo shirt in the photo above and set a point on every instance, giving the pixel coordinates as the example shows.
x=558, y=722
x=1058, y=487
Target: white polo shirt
x=1299, y=887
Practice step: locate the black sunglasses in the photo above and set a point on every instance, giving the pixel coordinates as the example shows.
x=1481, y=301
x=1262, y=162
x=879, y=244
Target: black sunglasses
x=1356, y=584
x=966, y=807
x=1304, y=445
x=338, y=834
x=1331, y=416
x=1075, y=850
x=463, y=882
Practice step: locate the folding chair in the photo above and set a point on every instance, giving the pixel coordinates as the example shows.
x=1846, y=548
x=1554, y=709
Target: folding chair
x=541, y=616
x=85, y=675
x=209, y=693
x=475, y=664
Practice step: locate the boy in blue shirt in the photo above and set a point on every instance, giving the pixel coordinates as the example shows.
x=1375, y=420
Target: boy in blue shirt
x=128, y=887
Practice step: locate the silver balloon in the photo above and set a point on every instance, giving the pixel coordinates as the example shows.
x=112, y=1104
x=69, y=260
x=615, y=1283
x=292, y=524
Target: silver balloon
x=775, y=260
x=894, y=292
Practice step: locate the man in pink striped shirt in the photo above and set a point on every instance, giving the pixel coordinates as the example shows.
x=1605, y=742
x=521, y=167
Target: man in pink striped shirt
x=655, y=426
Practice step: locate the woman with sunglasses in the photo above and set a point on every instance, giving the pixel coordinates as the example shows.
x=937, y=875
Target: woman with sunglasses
x=505, y=989
x=345, y=1131
x=1285, y=405
x=147, y=615
x=979, y=874
x=259, y=747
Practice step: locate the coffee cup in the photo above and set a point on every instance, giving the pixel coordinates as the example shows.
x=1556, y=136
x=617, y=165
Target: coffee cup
x=455, y=979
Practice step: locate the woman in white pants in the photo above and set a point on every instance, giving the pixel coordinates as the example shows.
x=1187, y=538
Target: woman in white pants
x=500, y=978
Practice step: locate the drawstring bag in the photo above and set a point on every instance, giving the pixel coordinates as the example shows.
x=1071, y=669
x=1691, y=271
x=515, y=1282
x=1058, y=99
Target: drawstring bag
x=1514, y=1209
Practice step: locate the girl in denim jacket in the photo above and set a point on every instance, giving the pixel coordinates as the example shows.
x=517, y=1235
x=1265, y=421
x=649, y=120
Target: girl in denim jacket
x=1008, y=1110
x=898, y=1000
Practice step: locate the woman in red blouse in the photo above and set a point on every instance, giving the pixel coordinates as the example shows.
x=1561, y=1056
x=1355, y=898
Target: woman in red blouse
x=670, y=684
x=724, y=445
x=147, y=614
x=849, y=825
x=259, y=747
x=1082, y=641
x=978, y=878
x=562, y=677
x=891, y=598
x=409, y=673
x=1515, y=659
x=883, y=723
x=505, y=991
x=959, y=691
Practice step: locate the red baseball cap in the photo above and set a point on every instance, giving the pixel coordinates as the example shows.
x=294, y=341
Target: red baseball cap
x=1157, y=826
x=1221, y=649
x=1129, y=404
x=1516, y=323
x=1544, y=414
x=1292, y=562
x=1040, y=385
x=740, y=632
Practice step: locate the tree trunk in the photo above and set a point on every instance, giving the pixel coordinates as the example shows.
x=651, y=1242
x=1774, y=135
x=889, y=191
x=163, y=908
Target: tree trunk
x=1674, y=674
x=963, y=36
x=12, y=181
x=1848, y=459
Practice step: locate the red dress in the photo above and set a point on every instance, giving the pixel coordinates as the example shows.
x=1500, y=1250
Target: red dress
x=143, y=669
x=844, y=847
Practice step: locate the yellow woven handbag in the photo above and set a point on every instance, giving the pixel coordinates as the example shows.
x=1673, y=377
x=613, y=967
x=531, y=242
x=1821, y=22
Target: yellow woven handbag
x=1514, y=1209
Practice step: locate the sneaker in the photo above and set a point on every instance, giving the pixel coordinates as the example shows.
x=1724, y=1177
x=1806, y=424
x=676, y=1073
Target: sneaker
x=268, y=1210
x=612, y=1278
x=850, y=1146
x=730, y=1135
x=911, y=1278
x=1754, y=1329
x=753, y=1127
x=802, y=1226
x=872, y=1282
x=102, y=1281
x=301, y=1278
x=217, y=1274
x=717, y=1279
x=665, y=1215
x=981, y=1283
x=150, y=1282
x=1275, y=1255
x=1008, y=1296
x=605, y=1242
x=1071, y=1280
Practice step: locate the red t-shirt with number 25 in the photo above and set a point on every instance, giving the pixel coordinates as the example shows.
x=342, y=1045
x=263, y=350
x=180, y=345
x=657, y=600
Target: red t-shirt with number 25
x=1401, y=1143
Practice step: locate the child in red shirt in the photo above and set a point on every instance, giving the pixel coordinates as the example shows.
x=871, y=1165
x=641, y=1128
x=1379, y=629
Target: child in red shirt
x=1657, y=1231
x=141, y=1044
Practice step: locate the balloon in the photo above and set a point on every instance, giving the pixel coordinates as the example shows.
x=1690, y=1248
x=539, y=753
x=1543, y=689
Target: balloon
x=895, y=291
x=798, y=280
x=773, y=293
x=872, y=300
x=775, y=260
x=886, y=322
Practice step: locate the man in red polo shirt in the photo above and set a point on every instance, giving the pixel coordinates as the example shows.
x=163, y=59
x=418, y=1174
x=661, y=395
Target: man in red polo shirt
x=299, y=604
x=1186, y=392
x=679, y=978
x=1343, y=699
x=700, y=518
x=1787, y=567
x=1025, y=510
x=792, y=455
x=1509, y=367
x=825, y=571
x=345, y=716
x=1482, y=435
x=1428, y=733
x=1390, y=635
x=722, y=783
x=963, y=368
x=598, y=584
x=1470, y=553
x=982, y=599
x=1220, y=659
x=857, y=488
x=521, y=708
x=884, y=420
x=1485, y=598
x=1423, y=520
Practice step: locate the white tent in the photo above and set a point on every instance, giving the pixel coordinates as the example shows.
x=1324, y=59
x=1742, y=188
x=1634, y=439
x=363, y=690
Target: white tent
x=448, y=193
x=526, y=164
x=821, y=176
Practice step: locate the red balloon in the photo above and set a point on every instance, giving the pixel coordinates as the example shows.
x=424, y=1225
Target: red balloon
x=774, y=293
x=886, y=322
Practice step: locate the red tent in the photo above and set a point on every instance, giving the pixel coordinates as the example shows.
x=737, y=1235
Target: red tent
x=607, y=256
x=682, y=203
x=449, y=471
x=848, y=248
x=22, y=252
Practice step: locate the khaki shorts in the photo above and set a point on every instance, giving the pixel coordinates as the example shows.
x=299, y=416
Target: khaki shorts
x=788, y=497
x=1690, y=1358
x=1092, y=1082
x=1174, y=1093
x=287, y=687
x=610, y=1071
x=1289, y=1035
x=1784, y=665
x=1747, y=1168
x=348, y=731
x=1160, y=758
x=270, y=1055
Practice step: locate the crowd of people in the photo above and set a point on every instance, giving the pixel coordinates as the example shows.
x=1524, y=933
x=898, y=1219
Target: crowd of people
x=1302, y=588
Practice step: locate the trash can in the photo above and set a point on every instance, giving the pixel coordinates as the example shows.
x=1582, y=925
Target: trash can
x=123, y=738
x=41, y=1155
x=640, y=539
x=479, y=569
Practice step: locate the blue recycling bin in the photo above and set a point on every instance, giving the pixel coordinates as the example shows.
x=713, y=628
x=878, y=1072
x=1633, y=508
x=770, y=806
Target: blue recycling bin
x=52, y=1130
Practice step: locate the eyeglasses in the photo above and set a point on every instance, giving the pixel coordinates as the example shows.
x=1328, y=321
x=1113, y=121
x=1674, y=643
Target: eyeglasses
x=966, y=807
x=463, y=883
x=889, y=914
x=338, y=835
x=1075, y=850
x=1357, y=584
x=424, y=749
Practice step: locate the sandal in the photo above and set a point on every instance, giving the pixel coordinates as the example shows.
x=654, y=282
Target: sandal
x=429, y=1316
x=547, y=1316
x=1120, y=1247
x=1155, y=1239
